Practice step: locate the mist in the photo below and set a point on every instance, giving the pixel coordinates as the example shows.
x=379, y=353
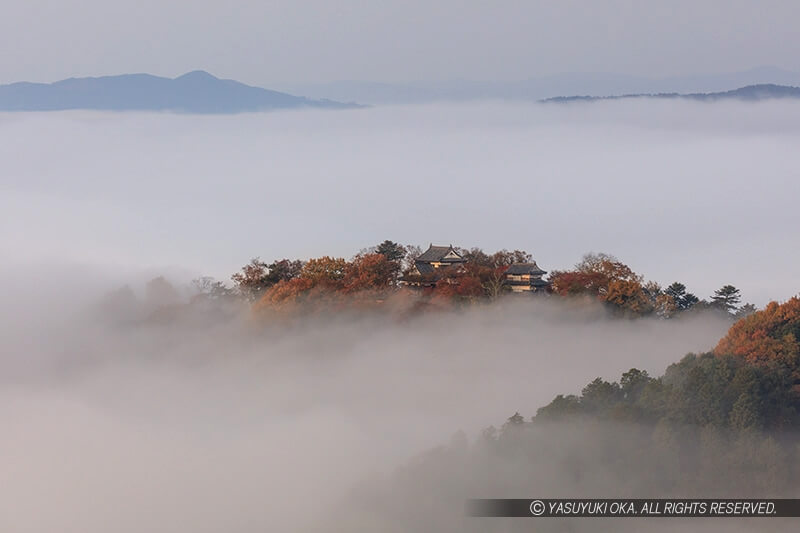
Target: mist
x=243, y=425
x=207, y=422
x=704, y=194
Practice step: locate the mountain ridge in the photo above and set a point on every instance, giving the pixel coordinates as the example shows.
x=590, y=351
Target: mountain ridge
x=764, y=91
x=538, y=87
x=193, y=92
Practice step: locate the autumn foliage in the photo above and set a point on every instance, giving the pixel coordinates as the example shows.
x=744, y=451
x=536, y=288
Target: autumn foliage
x=371, y=278
x=768, y=335
x=605, y=278
x=592, y=276
x=382, y=272
x=326, y=282
x=370, y=272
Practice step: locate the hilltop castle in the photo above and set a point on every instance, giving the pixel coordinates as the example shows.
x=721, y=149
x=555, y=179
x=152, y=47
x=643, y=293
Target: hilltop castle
x=430, y=266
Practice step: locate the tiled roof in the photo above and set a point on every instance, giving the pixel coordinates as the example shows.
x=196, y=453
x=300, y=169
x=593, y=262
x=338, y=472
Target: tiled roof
x=437, y=253
x=424, y=268
x=518, y=269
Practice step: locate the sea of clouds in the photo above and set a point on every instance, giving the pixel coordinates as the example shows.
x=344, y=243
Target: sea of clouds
x=701, y=193
x=248, y=426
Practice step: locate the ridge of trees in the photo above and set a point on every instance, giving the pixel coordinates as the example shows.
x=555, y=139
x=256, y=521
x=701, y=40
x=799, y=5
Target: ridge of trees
x=375, y=272
x=605, y=278
x=374, y=277
x=750, y=381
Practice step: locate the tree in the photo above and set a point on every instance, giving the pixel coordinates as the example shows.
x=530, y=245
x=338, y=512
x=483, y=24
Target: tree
x=771, y=334
x=257, y=276
x=745, y=414
x=370, y=272
x=683, y=300
x=506, y=258
x=726, y=298
x=600, y=395
x=513, y=423
x=493, y=281
x=664, y=306
x=561, y=407
x=325, y=270
x=573, y=283
x=609, y=280
x=502, y=258
x=462, y=287
x=689, y=301
x=283, y=270
x=607, y=265
x=746, y=310
x=592, y=276
x=412, y=252
x=628, y=297
x=476, y=256
x=633, y=383
x=515, y=420
x=208, y=288
x=252, y=281
x=285, y=292
x=391, y=250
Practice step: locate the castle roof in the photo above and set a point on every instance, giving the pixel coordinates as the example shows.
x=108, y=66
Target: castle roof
x=518, y=269
x=443, y=254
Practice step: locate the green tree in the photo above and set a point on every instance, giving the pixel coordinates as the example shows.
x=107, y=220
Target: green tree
x=391, y=250
x=683, y=300
x=745, y=413
x=561, y=407
x=746, y=310
x=600, y=395
x=726, y=298
x=283, y=270
x=633, y=383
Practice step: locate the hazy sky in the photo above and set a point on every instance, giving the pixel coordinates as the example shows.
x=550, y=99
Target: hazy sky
x=265, y=42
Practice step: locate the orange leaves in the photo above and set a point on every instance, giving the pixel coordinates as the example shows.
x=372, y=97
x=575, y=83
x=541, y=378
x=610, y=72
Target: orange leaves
x=566, y=283
x=593, y=275
x=289, y=290
x=767, y=335
x=628, y=295
x=370, y=272
x=324, y=282
x=607, y=279
x=325, y=270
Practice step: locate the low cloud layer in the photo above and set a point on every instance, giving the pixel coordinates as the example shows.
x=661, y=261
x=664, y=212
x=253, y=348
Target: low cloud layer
x=241, y=426
x=237, y=425
x=704, y=194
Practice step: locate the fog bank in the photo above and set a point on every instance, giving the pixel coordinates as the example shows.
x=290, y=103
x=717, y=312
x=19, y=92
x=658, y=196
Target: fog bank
x=208, y=422
x=704, y=194
x=238, y=425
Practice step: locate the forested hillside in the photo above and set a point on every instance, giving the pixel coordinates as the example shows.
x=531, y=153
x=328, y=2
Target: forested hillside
x=722, y=424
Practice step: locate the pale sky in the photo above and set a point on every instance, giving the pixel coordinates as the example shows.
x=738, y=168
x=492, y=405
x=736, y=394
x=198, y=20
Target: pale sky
x=263, y=42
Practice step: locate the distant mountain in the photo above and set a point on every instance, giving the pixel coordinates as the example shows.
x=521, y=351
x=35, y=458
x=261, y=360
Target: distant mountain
x=537, y=88
x=750, y=93
x=195, y=92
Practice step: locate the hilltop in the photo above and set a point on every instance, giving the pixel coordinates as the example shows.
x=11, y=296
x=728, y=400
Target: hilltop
x=194, y=92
